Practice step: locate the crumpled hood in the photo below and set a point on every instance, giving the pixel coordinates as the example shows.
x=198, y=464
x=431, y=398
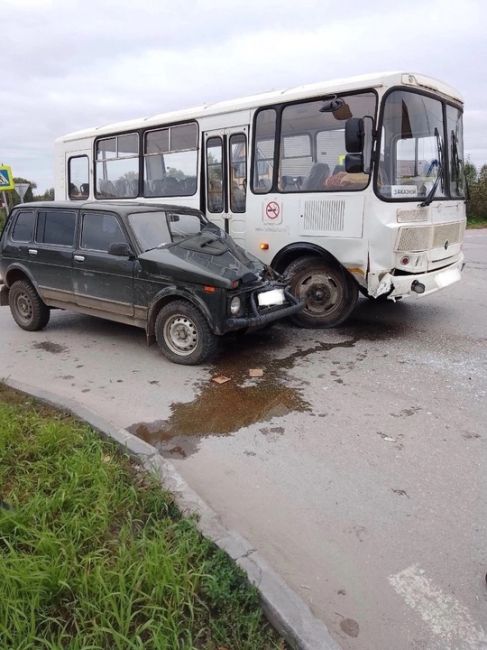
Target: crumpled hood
x=202, y=259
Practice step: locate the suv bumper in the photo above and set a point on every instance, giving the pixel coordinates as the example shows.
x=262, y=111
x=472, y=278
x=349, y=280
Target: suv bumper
x=259, y=320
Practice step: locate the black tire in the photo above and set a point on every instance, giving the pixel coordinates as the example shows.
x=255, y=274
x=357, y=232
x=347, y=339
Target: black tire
x=329, y=292
x=183, y=334
x=28, y=310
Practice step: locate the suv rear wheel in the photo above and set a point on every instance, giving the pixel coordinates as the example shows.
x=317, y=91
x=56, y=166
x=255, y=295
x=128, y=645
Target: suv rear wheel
x=183, y=334
x=28, y=310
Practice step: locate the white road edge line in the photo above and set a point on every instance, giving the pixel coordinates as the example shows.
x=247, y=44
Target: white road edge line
x=446, y=617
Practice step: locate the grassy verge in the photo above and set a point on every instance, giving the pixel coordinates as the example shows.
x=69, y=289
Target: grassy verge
x=93, y=554
x=477, y=222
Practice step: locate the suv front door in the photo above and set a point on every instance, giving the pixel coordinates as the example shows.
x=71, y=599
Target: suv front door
x=103, y=282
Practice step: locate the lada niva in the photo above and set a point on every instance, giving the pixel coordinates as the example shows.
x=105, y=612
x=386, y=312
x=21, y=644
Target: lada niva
x=164, y=268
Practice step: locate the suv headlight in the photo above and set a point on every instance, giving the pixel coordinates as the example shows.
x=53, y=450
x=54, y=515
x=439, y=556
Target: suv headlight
x=235, y=304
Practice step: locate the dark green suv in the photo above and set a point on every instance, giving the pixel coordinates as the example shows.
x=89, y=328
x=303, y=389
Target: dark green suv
x=160, y=267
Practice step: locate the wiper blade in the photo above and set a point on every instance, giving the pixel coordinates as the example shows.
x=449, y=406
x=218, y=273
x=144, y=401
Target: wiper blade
x=440, y=172
x=210, y=241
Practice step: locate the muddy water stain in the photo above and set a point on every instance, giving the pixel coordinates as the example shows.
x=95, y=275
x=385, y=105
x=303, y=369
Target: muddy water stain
x=222, y=409
x=48, y=346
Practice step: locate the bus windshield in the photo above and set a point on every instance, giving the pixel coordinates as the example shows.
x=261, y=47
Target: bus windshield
x=413, y=152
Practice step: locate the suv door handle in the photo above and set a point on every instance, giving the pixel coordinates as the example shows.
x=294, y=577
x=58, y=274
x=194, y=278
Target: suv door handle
x=79, y=258
x=32, y=251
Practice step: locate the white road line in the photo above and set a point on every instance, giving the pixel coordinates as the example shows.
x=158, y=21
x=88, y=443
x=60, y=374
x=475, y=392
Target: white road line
x=447, y=618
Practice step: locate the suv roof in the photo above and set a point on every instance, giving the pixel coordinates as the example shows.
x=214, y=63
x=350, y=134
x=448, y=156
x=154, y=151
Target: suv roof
x=122, y=207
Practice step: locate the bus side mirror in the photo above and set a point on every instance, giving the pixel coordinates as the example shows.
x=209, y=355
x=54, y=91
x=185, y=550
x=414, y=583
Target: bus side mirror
x=358, y=143
x=354, y=163
x=354, y=135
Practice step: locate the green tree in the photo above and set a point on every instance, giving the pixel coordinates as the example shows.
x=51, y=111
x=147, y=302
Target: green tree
x=471, y=174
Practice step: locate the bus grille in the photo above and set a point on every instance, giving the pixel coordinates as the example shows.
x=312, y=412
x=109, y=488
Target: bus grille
x=428, y=237
x=324, y=215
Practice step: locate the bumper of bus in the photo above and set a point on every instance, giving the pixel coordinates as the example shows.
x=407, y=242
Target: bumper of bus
x=422, y=284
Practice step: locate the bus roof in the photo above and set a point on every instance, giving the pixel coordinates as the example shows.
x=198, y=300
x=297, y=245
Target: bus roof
x=349, y=84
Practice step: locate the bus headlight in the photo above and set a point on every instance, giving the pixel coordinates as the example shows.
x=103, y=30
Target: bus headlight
x=235, y=305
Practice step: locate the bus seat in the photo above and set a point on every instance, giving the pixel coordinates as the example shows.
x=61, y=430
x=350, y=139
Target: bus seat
x=133, y=187
x=317, y=177
x=107, y=188
x=121, y=187
x=170, y=186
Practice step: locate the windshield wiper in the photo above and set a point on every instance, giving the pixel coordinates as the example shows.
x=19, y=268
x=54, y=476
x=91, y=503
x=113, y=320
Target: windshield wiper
x=440, y=172
x=458, y=166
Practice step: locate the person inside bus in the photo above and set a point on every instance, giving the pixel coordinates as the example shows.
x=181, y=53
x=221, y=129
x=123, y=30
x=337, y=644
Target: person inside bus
x=317, y=178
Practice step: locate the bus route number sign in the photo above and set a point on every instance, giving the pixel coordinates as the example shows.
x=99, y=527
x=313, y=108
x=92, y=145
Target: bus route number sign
x=272, y=212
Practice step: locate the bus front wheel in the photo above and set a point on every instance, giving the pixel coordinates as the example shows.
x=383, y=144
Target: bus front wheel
x=328, y=291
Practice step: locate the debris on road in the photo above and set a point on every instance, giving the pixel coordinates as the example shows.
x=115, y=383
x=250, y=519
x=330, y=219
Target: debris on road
x=221, y=379
x=256, y=372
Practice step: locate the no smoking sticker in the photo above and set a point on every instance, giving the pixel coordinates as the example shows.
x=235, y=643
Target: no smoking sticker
x=272, y=212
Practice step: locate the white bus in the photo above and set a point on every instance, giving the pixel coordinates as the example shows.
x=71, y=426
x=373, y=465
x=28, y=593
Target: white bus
x=355, y=184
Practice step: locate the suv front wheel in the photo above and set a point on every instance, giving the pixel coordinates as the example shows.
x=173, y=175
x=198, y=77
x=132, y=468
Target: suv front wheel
x=183, y=334
x=28, y=310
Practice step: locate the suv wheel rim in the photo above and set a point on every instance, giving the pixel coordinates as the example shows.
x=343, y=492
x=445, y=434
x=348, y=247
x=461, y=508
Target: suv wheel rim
x=181, y=335
x=24, y=306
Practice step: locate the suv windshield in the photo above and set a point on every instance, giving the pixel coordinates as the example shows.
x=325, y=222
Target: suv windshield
x=413, y=153
x=157, y=228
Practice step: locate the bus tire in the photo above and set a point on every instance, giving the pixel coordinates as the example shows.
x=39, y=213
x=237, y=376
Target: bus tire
x=183, y=334
x=26, y=306
x=328, y=291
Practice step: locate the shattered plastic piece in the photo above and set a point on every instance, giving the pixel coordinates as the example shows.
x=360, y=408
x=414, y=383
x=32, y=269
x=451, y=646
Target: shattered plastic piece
x=256, y=372
x=221, y=379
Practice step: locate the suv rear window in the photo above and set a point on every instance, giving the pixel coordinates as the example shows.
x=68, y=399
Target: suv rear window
x=56, y=227
x=23, y=229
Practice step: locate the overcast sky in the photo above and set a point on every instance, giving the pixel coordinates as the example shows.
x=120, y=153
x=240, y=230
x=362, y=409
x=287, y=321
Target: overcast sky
x=70, y=64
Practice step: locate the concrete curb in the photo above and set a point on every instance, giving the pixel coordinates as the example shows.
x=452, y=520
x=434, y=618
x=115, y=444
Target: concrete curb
x=286, y=611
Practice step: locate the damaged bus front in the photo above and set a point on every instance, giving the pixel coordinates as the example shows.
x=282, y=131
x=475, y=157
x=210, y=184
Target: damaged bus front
x=416, y=232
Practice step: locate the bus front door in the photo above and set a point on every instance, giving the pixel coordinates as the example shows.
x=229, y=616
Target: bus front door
x=226, y=172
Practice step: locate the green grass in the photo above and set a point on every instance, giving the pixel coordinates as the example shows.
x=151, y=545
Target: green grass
x=477, y=222
x=94, y=555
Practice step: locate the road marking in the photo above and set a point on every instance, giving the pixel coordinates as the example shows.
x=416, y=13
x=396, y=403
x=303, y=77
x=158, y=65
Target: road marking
x=446, y=616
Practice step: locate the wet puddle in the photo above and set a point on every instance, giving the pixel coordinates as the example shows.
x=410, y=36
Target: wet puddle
x=222, y=409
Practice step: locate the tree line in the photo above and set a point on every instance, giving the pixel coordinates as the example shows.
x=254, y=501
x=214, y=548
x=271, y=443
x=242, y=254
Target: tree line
x=477, y=191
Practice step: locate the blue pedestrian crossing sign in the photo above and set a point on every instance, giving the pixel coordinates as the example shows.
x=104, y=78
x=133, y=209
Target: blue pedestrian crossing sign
x=6, y=178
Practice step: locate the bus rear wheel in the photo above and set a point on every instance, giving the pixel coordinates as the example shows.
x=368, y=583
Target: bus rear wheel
x=328, y=291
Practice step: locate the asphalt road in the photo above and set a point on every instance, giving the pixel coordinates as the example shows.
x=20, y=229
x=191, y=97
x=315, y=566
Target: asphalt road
x=355, y=464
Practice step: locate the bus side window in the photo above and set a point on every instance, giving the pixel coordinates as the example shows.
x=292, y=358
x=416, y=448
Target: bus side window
x=238, y=172
x=263, y=153
x=214, y=174
x=78, y=178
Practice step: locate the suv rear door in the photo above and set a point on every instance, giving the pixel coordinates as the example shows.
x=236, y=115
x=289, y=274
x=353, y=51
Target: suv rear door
x=103, y=282
x=52, y=254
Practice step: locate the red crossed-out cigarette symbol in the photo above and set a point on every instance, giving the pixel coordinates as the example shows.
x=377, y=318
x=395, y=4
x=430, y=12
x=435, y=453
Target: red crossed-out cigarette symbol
x=272, y=210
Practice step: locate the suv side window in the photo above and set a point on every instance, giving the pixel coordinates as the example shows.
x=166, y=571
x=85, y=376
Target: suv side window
x=56, y=227
x=23, y=230
x=99, y=231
